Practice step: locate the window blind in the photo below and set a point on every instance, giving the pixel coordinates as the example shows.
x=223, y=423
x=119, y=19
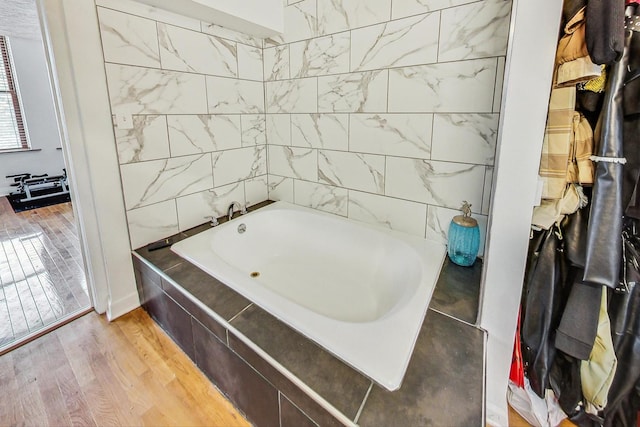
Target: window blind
x=12, y=130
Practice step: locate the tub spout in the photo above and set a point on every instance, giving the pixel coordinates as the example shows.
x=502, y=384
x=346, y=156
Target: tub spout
x=242, y=210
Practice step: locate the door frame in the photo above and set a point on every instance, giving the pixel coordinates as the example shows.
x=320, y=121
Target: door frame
x=73, y=48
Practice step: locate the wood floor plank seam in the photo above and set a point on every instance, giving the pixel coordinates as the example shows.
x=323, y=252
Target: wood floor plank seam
x=41, y=271
x=104, y=375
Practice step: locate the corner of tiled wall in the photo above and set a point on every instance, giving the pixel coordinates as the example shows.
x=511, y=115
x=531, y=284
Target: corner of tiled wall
x=378, y=110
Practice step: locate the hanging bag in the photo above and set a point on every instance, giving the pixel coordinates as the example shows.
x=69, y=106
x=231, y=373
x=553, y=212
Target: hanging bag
x=580, y=169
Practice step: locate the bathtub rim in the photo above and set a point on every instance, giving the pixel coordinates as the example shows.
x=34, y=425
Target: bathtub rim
x=416, y=316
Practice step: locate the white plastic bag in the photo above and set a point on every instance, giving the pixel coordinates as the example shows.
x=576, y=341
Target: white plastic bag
x=538, y=412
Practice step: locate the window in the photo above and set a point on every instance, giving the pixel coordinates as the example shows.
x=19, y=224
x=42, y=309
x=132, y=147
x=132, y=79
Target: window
x=12, y=131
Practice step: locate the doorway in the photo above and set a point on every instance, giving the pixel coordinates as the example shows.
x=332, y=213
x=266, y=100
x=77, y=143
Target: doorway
x=42, y=276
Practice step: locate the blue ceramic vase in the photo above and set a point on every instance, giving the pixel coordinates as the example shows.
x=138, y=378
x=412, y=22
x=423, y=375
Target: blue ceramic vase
x=464, y=238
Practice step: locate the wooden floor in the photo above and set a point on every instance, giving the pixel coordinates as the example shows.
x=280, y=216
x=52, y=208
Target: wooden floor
x=123, y=373
x=42, y=279
x=515, y=420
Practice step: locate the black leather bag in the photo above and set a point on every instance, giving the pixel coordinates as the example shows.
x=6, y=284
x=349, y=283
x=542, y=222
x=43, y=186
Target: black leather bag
x=542, y=305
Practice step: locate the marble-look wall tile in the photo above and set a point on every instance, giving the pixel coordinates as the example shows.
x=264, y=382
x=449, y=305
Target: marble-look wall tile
x=339, y=15
x=253, y=129
x=395, y=214
x=409, y=41
x=275, y=40
x=449, y=87
x=250, y=65
x=404, y=8
x=154, y=181
x=194, y=209
x=293, y=162
x=329, y=131
x=128, y=39
x=392, y=134
x=320, y=56
x=276, y=63
x=278, y=129
x=354, y=92
x=465, y=138
x=256, y=190
x=150, y=12
x=438, y=220
x=203, y=133
x=437, y=183
x=194, y=52
x=497, y=97
x=151, y=223
x=363, y=172
x=280, y=188
x=229, y=34
x=477, y=30
x=147, y=140
x=292, y=96
x=136, y=90
x=237, y=165
x=320, y=196
x=488, y=187
x=227, y=95
x=300, y=21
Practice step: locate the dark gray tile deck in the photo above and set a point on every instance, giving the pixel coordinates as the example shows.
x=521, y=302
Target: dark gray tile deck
x=457, y=292
x=336, y=382
x=443, y=384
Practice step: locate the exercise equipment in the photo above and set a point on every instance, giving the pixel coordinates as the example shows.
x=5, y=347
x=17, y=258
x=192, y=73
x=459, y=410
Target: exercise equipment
x=35, y=187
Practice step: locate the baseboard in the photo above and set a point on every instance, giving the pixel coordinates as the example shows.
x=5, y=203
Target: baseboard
x=497, y=416
x=122, y=306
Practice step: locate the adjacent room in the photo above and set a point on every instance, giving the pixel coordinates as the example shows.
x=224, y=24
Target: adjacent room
x=42, y=273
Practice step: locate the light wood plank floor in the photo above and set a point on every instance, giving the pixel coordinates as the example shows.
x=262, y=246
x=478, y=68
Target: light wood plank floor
x=91, y=372
x=42, y=279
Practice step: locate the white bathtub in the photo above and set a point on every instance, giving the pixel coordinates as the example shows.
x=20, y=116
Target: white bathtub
x=359, y=291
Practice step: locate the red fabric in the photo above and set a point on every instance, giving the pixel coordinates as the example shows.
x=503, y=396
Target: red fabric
x=517, y=365
x=632, y=2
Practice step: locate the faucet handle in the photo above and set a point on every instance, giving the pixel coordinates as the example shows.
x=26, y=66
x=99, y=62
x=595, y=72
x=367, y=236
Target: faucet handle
x=213, y=220
x=243, y=209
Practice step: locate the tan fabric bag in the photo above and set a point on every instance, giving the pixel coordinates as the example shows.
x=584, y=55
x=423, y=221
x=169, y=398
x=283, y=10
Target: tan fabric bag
x=596, y=374
x=573, y=44
x=556, y=146
x=580, y=169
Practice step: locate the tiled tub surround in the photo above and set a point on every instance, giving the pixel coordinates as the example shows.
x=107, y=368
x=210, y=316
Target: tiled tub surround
x=380, y=111
x=329, y=278
x=277, y=377
x=386, y=111
x=194, y=94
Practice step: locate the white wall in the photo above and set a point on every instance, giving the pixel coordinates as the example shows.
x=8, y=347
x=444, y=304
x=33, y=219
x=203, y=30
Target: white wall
x=39, y=114
x=263, y=18
x=529, y=66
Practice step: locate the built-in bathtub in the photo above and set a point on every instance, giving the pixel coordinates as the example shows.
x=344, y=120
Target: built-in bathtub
x=358, y=290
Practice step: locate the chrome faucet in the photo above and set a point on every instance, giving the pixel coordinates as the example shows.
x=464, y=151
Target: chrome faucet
x=242, y=210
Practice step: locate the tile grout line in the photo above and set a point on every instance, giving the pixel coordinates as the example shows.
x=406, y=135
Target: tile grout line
x=239, y=313
x=364, y=401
